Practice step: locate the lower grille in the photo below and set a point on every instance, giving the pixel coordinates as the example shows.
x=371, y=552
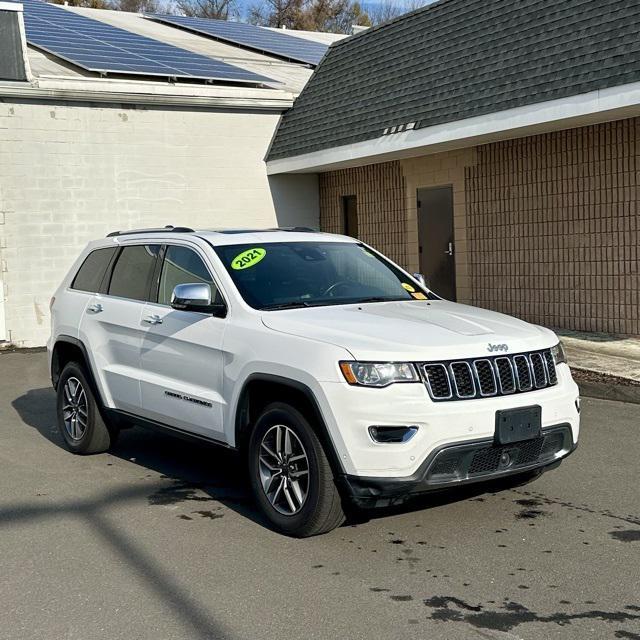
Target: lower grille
x=487, y=377
x=468, y=461
x=485, y=460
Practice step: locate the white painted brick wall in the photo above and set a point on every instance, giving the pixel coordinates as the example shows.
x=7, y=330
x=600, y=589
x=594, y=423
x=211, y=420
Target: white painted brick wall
x=70, y=173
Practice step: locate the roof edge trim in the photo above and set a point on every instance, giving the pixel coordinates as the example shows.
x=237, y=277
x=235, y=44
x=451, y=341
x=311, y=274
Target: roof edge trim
x=588, y=108
x=15, y=90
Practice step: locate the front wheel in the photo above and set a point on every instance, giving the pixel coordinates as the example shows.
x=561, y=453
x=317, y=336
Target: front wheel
x=291, y=477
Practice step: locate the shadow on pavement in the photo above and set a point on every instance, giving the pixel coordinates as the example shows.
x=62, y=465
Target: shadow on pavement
x=37, y=409
x=214, y=471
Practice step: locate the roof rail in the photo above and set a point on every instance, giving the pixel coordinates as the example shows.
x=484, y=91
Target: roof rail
x=168, y=228
x=297, y=229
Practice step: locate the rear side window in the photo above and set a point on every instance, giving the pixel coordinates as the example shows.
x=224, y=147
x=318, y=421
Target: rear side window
x=133, y=272
x=90, y=274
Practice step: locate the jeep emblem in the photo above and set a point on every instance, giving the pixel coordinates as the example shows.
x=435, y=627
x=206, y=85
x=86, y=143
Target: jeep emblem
x=497, y=347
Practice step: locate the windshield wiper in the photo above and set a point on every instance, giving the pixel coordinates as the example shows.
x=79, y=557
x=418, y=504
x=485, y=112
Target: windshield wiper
x=300, y=304
x=377, y=299
x=294, y=304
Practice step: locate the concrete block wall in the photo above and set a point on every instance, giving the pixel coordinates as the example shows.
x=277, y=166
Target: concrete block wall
x=554, y=227
x=72, y=172
x=439, y=170
x=387, y=206
x=382, y=218
x=547, y=227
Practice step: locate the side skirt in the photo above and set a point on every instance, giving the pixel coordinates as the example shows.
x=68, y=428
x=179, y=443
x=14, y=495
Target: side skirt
x=119, y=416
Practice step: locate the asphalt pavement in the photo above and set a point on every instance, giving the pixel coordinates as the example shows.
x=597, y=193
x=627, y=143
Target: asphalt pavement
x=159, y=539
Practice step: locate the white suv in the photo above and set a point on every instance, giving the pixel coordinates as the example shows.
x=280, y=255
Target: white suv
x=339, y=375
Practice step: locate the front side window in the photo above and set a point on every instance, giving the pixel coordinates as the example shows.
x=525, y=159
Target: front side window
x=182, y=266
x=90, y=274
x=289, y=274
x=133, y=271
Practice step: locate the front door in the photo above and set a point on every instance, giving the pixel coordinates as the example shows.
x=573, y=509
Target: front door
x=435, y=240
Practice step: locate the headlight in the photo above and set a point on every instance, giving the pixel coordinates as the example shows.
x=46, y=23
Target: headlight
x=558, y=353
x=378, y=374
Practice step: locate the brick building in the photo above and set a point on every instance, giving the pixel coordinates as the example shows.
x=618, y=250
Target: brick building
x=493, y=145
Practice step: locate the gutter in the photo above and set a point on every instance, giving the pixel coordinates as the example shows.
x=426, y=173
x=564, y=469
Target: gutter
x=18, y=90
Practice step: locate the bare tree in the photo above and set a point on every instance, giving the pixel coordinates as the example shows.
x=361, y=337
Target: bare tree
x=217, y=9
x=335, y=16
x=278, y=13
x=390, y=9
x=135, y=6
x=90, y=4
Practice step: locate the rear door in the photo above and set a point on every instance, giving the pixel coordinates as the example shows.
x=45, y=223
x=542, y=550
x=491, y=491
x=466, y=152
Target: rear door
x=112, y=328
x=182, y=352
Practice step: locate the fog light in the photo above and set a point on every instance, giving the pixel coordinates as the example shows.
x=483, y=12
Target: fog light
x=389, y=435
x=578, y=404
x=505, y=459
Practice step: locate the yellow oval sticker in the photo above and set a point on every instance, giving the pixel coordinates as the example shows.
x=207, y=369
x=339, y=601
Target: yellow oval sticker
x=248, y=258
x=408, y=287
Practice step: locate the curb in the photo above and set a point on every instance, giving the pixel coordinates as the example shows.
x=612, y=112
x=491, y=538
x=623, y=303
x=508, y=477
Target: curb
x=604, y=387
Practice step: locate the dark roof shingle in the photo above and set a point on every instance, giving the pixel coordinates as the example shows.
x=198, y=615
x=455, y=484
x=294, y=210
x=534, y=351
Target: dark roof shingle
x=457, y=59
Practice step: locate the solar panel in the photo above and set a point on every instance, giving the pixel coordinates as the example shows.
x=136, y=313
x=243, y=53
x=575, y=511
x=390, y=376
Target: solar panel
x=259, y=39
x=99, y=47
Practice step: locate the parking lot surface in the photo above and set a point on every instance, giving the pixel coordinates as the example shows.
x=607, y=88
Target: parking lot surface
x=160, y=539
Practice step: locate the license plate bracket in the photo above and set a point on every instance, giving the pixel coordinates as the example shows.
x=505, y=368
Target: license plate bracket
x=516, y=425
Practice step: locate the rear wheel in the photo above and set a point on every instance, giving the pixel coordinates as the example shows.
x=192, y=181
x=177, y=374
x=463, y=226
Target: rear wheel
x=291, y=477
x=79, y=419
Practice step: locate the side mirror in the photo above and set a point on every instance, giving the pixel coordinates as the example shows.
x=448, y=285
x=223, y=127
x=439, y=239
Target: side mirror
x=196, y=297
x=421, y=279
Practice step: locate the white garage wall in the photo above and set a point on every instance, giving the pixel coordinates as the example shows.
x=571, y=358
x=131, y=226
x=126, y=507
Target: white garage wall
x=70, y=173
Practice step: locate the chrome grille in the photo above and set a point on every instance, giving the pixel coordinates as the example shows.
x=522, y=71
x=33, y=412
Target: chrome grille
x=437, y=380
x=462, y=379
x=486, y=377
x=523, y=372
x=492, y=376
x=507, y=380
x=539, y=372
x=551, y=367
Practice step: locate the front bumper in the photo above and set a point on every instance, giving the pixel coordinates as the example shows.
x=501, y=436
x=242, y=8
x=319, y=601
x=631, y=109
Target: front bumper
x=349, y=411
x=464, y=463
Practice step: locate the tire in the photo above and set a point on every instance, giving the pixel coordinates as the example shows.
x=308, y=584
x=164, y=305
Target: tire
x=320, y=510
x=77, y=398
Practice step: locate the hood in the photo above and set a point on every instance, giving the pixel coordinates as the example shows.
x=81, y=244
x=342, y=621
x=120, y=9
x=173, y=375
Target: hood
x=411, y=330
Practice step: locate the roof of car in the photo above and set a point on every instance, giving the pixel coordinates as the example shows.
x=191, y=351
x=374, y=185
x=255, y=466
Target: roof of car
x=221, y=237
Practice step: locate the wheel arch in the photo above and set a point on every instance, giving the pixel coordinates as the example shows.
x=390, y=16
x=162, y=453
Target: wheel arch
x=69, y=349
x=261, y=389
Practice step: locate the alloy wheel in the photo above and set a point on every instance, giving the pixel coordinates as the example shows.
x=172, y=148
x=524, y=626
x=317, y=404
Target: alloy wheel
x=284, y=469
x=75, y=410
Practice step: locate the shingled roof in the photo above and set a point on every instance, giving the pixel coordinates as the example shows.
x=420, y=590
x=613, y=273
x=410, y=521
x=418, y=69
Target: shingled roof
x=457, y=59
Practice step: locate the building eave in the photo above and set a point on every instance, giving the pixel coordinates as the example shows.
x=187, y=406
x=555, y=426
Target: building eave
x=147, y=93
x=589, y=108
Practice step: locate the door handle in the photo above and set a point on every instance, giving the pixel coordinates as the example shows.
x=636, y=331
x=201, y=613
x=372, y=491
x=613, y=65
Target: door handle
x=95, y=308
x=449, y=251
x=153, y=319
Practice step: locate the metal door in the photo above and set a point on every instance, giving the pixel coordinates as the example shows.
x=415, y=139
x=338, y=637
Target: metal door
x=435, y=240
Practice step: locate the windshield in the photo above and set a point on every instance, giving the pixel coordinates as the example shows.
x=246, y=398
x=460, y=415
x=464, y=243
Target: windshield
x=303, y=274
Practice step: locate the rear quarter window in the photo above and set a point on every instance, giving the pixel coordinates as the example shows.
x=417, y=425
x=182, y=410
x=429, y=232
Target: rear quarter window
x=90, y=275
